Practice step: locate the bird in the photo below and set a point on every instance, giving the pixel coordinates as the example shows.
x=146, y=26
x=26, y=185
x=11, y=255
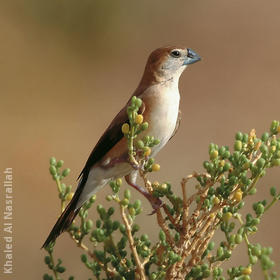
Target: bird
x=158, y=89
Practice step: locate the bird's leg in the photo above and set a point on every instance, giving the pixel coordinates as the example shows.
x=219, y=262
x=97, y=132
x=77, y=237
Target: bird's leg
x=155, y=202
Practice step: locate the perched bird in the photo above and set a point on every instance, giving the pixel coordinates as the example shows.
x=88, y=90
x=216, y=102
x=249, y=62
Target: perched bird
x=109, y=160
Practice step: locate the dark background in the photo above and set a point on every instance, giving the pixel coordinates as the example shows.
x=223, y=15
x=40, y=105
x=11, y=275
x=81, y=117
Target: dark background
x=67, y=67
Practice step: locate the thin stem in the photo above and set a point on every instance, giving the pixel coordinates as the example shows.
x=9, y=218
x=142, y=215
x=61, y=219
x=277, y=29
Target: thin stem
x=238, y=216
x=58, y=183
x=139, y=265
x=53, y=269
x=253, y=184
x=276, y=198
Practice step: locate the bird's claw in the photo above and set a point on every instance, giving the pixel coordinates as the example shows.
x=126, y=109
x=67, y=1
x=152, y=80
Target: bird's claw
x=156, y=204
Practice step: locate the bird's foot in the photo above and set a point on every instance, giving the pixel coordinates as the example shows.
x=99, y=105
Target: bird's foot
x=156, y=204
x=155, y=201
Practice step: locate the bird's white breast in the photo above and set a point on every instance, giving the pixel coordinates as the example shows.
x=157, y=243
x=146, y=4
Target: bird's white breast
x=164, y=113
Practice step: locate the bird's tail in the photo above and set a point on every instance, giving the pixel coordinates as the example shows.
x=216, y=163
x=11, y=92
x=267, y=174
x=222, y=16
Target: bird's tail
x=67, y=216
x=63, y=222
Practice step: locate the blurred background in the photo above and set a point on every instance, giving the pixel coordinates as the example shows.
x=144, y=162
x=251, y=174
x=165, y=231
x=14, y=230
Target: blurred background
x=67, y=67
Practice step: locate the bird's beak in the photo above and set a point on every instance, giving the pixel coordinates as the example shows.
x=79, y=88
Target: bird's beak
x=191, y=58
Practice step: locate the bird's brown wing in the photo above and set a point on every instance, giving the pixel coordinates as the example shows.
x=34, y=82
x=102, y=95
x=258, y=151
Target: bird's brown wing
x=112, y=135
x=177, y=124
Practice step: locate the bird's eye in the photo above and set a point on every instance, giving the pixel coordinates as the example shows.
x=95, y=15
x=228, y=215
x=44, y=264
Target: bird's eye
x=176, y=53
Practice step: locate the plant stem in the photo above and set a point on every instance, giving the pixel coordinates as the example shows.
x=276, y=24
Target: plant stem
x=139, y=265
x=53, y=269
x=276, y=198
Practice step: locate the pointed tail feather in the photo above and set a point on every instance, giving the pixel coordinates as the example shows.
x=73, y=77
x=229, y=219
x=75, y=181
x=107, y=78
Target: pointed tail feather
x=68, y=215
x=63, y=222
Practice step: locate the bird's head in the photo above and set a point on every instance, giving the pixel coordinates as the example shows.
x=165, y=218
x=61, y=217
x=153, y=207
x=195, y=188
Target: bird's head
x=168, y=63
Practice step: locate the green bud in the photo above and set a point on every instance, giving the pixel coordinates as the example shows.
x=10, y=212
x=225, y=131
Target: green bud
x=265, y=137
x=269, y=250
x=92, y=199
x=245, y=138
x=177, y=236
x=135, y=228
x=133, y=100
x=239, y=136
x=238, y=145
x=232, y=239
x=156, y=141
x=214, y=154
x=59, y=163
x=125, y=202
x=226, y=216
x=260, y=163
x=47, y=277
x=110, y=211
x=100, y=208
x=264, y=149
x=274, y=127
x=89, y=224
x=140, y=144
x=206, y=273
x=52, y=161
x=226, y=154
x=227, y=166
x=211, y=147
x=273, y=191
x=65, y=172
x=109, y=198
x=255, y=221
x=127, y=194
x=98, y=223
x=122, y=229
x=47, y=259
x=52, y=170
x=138, y=102
x=116, y=225
x=84, y=258
x=60, y=269
x=238, y=238
x=113, y=185
x=137, y=204
x=253, y=259
x=211, y=245
x=227, y=254
x=260, y=209
x=144, y=126
x=252, y=191
x=241, y=204
x=162, y=236
x=132, y=211
x=220, y=252
x=222, y=151
x=206, y=165
x=119, y=182
x=256, y=251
